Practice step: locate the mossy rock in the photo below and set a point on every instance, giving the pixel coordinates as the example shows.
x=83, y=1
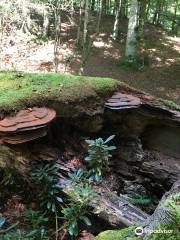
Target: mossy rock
x=117, y=234
x=20, y=90
x=170, y=232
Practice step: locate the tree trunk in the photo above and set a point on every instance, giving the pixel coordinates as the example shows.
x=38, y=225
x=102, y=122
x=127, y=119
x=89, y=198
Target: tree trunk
x=57, y=16
x=158, y=12
x=116, y=23
x=104, y=7
x=99, y=16
x=1, y=36
x=86, y=21
x=93, y=5
x=79, y=32
x=123, y=9
x=45, y=24
x=174, y=17
x=140, y=31
x=131, y=41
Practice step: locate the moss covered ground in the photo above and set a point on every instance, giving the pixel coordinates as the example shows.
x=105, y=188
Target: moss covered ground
x=18, y=90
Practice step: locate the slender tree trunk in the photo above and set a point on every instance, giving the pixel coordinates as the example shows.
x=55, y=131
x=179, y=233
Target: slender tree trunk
x=45, y=23
x=99, y=15
x=1, y=36
x=148, y=9
x=116, y=23
x=57, y=16
x=140, y=30
x=131, y=41
x=93, y=5
x=79, y=33
x=86, y=21
x=104, y=7
x=85, y=36
x=158, y=12
x=174, y=17
x=126, y=8
x=123, y=9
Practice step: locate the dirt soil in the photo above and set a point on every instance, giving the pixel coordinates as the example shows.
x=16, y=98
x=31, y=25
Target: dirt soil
x=161, y=78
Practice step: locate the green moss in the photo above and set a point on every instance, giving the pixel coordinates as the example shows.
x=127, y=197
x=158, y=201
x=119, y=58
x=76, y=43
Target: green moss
x=170, y=104
x=19, y=90
x=116, y=234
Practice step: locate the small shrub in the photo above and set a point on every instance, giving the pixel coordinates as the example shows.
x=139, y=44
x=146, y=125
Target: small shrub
x=79, y=177
x=133, y=63
x=49, y=194
x=36, y=221
x=98, y=156
x=8, y=177
x=78, y=210
x=139, y=200
x=34, y=224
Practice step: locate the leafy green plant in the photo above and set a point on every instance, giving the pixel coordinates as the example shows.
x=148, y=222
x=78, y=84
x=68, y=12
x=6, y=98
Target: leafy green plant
x=138, y=199
x=79, y=177
x=133, y=63
x=8, y=177
x=98, y=156
x=36, y=220
x=49, y=194
x=19, y=235
x=78, y=210
x=33, y=222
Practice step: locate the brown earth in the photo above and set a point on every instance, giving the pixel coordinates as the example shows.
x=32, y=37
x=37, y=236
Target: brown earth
x=160, y=78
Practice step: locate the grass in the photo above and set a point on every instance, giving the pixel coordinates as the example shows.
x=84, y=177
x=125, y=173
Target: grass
x=18, y=90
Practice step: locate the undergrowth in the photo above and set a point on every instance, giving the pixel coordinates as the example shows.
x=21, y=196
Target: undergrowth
x=55, y=209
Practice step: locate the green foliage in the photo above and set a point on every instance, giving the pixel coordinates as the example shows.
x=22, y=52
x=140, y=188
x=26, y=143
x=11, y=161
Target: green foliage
x=117, y=234
x=8, y=177
x=78, y=209
x=98, y=156
x=132, y=63
x=79, y=177
x=36, y=220
x=174, y=205
x=49, y=194
x=19, y=235
x=138, y=199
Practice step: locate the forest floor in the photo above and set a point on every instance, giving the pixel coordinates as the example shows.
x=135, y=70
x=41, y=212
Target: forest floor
x=160, y=78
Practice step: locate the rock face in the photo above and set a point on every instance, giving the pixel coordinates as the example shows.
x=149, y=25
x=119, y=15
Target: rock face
x=123, y=101
x=148, y=139
x=26, y=125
